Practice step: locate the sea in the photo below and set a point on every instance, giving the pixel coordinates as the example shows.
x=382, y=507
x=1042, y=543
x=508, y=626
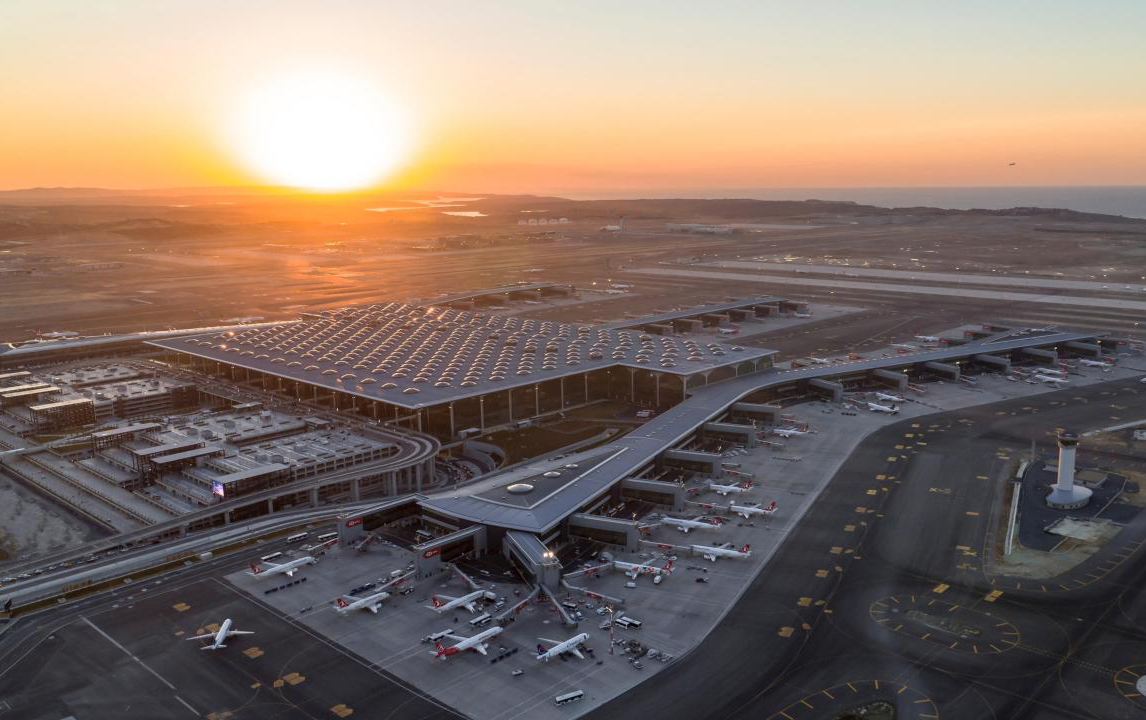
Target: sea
x=1126, y=200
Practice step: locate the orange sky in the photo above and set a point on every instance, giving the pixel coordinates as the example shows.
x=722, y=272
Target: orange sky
x=546, y=97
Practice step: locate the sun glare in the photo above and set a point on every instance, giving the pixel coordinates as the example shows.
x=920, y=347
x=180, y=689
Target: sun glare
x=322, y=131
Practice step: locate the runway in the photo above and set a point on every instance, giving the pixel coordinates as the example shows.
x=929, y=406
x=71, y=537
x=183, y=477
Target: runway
x=881, y=593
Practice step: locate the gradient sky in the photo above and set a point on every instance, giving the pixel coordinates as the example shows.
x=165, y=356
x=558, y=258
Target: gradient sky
x=541, y=96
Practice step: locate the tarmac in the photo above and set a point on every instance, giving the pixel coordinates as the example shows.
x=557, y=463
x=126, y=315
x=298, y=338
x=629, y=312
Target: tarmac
x=881, y=593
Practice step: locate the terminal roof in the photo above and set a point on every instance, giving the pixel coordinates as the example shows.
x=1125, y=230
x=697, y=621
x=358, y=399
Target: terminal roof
x=414, y=356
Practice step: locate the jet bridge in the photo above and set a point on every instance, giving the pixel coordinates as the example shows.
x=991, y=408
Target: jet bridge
x=895, y=380
x=430, y=556
x=532, y=558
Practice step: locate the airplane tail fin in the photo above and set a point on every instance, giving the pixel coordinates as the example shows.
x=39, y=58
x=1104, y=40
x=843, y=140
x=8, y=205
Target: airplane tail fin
x=668, y=566
x=435, y=601
x=440, y=649
x=256, y=569
x=342, y=602
x=745, y=548
x=772, y=506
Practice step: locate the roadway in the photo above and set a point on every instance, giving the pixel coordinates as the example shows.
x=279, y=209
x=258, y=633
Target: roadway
x=881, y=593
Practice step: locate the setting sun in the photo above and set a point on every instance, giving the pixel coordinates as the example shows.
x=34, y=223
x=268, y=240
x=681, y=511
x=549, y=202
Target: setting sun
x=321, y=130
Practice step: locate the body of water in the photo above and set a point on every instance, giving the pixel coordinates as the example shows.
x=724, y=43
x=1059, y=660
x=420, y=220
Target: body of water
x=1128, y=200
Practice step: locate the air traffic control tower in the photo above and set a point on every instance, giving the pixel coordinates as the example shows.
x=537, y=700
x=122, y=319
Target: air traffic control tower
x=1065, y=495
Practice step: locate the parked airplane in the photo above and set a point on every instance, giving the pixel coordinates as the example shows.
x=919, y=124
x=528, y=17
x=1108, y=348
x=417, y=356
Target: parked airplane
x=789, y=432
x=1094, y=363
x=1050, y=371
x=477, y=643
x=726, y=550
x=875, y=407
x=288, y=568
x=347, y=603
x=726, y=489
x=563, y=646
x=802, y=315
x=647, y=568
x=442, y=603
x=927, y=338
x=1051, y=379
x=903, y=346
x=888, y=397
x=220, y=637
x=747, y=510
x=820, y=361
x=685, y=525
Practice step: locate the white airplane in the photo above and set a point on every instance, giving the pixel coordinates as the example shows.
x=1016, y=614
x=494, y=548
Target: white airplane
x=1051, y=380
x=726, y=489
x=802, y=315
x=345, y=604
x=877, y=408
x=927, y=338
x=903, y=346
x=820, y=361
x=288, y=568
x=220, y=637
x=747, y=510
x=726, y=550
x=633, y=570
x=443, y=603
x=889, y=398
x=1094, y=363
x=477, y=643
x=789, y=432
x=685, y=525
x=1050, y=371
x=564, y=646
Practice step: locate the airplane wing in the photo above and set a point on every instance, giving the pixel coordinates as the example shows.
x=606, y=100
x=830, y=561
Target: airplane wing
x=576, y=652
x=459, y=638
x=480, y=647
x=374, y=608
x=202, y=637
x=468, y=606
x=547, y=640
x=240, y=632
x=291, y=572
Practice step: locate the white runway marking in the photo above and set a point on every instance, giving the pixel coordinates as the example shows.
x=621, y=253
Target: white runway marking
x=113, y=641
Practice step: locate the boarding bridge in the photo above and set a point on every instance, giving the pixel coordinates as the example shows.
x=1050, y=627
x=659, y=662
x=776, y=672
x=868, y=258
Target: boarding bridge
x=995, y=362
x=1047, y=357
x=894, y=380
x=733, y=432
x=620, y=533
x=833, y=390
x=1093, y=350
x=535, y=561
x=693, y=461
x=756, y=411
x=947, y=370
x=430, y=557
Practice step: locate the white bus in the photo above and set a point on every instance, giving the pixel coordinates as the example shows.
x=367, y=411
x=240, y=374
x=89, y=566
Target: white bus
x=327, y=537
x=434, y=637
x=297, y=537
x=272, y=556
x=628, y=622
x=568, y=697
x=480, y=620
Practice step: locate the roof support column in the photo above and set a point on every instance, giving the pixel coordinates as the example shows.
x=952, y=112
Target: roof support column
x=481, y=412
x=453, y=432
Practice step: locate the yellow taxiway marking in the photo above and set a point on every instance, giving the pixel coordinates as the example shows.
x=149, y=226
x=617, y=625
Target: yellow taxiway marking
x=804, y=601
x=256, y=685
x=872, y=492
x=341, y=710
x=861, y=509
x=972, y=513
x=181, y=607
x=786, y=631
x=993, y=595
x=821, y=573
x=899, y=447
x=178, y=633
x=836, y=550
x=940, y=588
x=849, y=528
x=213, y=627
x=253, y=652
x=881, y=477
x=981, y=477
x=892, y=458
